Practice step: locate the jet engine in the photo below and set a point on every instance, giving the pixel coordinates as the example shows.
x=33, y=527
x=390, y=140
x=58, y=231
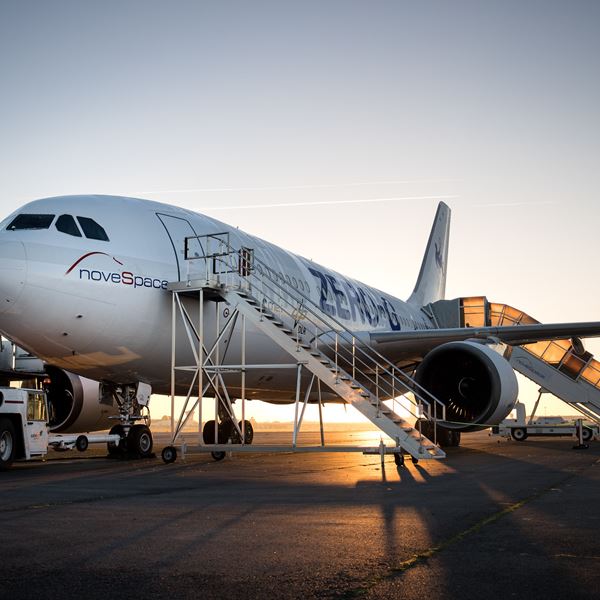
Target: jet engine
x=476, y=384
x=76, y=403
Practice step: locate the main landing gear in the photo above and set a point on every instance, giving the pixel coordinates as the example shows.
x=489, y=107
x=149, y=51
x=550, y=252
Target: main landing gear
x=226, y=433
x=446, y=438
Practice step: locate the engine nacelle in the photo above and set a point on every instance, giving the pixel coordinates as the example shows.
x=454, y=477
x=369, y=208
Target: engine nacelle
x=76, y=403
x=476, y=384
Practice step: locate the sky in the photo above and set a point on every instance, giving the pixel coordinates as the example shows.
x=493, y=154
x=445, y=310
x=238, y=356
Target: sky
x=237, y=108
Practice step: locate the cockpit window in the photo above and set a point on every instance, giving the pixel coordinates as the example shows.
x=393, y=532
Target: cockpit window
x=92, y=230
x=66, y=224
x=24, y=221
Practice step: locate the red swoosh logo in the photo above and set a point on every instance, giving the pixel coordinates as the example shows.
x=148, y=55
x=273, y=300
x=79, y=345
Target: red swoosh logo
x=85, y=256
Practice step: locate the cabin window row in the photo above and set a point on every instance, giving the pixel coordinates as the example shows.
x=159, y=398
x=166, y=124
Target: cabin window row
x=64, y=223
x=291, y=281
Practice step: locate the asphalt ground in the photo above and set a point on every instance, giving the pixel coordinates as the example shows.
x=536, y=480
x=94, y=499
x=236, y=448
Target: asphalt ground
x=495, y=519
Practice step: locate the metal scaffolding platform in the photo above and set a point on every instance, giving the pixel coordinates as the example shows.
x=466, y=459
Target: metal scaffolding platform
x=230, y=295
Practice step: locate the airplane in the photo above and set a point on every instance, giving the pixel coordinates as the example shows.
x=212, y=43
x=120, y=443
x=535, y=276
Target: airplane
x=85, y=286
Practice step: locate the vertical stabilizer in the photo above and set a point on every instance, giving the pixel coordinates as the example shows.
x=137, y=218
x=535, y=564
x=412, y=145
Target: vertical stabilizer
x=431, y=284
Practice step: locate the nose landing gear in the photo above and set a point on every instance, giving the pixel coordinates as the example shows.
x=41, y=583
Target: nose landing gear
x=135, y=436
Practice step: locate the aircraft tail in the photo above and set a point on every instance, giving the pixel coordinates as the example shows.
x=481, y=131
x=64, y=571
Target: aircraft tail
x=431, y=284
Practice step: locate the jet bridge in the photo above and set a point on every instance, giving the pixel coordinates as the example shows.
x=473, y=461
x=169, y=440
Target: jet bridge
x=562, y=367
x=317, y=348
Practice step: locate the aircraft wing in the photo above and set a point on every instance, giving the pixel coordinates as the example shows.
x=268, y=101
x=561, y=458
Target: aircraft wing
x=425, y=340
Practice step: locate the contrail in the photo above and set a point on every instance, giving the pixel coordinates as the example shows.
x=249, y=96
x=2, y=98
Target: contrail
x=323, y=202
x=295, y=187
x=510, y=204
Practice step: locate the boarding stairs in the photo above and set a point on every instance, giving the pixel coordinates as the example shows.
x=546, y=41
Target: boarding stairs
x=332, y=354
x=560, y=367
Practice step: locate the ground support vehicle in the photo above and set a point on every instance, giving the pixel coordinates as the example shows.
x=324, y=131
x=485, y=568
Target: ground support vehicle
x=520, y=429
x=24, y=431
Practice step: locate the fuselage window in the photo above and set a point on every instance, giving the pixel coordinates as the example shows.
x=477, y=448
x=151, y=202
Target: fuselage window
x=92, y=230
x=31, y=222
x=66, y=224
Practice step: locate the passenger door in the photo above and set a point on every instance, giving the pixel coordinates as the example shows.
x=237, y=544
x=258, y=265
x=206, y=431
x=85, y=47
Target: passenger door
x=179, y=228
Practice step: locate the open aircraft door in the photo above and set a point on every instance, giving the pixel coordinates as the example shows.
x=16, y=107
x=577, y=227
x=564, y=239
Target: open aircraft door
x=179, y=228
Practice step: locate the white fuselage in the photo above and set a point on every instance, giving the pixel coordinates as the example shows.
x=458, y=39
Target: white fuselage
x=101, y=309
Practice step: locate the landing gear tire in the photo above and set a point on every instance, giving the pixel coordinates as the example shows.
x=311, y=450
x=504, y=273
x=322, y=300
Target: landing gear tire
x=414, y=460
x=7, y=444
x=139, y=441
x=82, y=443
x=218, y=455
x=518, y=434
x=248, y=433
x=117, y=448
x=169, y=454
x=399, y=459
x=446, y=438
x=223, y=435
x=455, y=438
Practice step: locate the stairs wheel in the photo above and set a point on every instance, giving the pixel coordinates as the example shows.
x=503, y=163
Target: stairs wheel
x=169, y=454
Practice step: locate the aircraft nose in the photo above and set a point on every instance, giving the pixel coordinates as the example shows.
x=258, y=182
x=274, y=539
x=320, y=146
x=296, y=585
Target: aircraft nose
x=13, y=273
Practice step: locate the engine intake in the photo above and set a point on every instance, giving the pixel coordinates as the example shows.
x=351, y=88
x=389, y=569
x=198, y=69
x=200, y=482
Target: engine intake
x=477, y=385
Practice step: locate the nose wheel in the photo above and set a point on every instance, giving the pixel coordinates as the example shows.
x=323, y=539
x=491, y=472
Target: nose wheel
x=137, y=442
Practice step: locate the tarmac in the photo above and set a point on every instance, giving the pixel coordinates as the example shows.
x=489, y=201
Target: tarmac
x=496, y=518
